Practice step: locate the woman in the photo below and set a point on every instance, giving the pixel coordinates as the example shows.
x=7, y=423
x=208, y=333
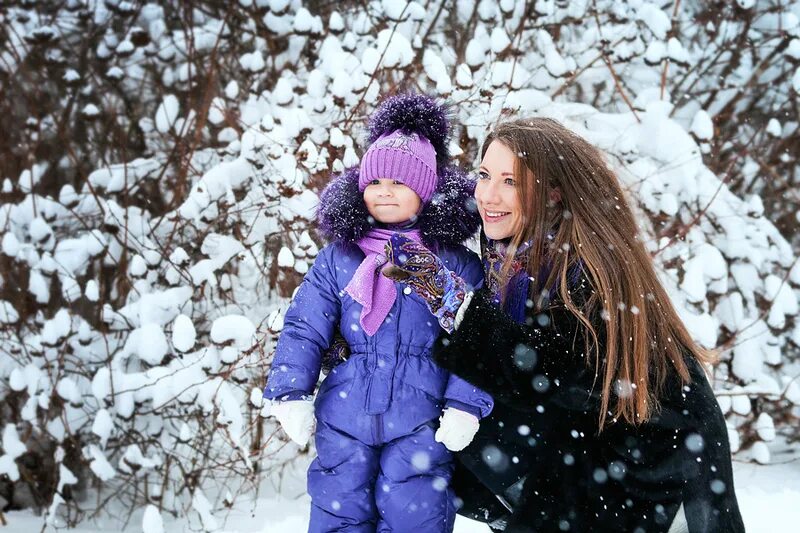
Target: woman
x=604, y=419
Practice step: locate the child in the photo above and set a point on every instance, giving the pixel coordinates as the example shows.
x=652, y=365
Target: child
x=382, y=465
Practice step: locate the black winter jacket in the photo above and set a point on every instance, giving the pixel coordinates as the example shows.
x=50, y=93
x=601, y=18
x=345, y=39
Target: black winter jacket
x=543, y=432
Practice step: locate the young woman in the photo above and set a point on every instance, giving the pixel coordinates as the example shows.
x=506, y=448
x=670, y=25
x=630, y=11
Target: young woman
x=604, y=419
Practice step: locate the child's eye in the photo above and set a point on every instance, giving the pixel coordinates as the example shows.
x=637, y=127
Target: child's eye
x=375, y=182
x=396, y=182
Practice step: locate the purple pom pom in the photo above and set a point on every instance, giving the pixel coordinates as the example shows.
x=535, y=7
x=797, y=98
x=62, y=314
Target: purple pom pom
x=414, y=113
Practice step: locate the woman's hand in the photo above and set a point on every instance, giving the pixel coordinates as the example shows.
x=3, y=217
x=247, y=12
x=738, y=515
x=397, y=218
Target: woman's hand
x=412, y=263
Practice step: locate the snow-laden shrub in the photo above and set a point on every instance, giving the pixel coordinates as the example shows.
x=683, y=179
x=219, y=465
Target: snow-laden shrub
x=161, y=163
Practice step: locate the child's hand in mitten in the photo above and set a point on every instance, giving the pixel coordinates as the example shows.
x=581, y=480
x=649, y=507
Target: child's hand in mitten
x=456, y=429
x=296, y=417
x=413, y=264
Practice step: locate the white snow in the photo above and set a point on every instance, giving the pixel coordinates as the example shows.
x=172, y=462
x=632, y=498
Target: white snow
x=201, y=504
x=676, y=51
x=555, y=64
x=395, y=48
x=336, y=22
x=702, y=126
x=183, y=333
x=236, y=328
x=499, y=40
x=8, y=315
x=436, y=70
x=760, y=453
x=57, y=328
x=167, y=113
x=99, y=463
x=475, y=54
x=90, y=110
x=148, y=342
x=464, y=76
x=774, y=127
x=12, y=448
x=92, y=290
x=304, y=22
x=68, y=390
x=10, y=245
x=103, y=426
x=656, y=20
x=765, y=427
x=253, y=61
x=152, y=521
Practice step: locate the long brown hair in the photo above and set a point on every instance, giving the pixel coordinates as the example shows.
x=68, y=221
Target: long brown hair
x=593, y=225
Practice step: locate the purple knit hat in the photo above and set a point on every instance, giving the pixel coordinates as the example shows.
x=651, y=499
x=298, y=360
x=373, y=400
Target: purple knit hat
x=406, y=157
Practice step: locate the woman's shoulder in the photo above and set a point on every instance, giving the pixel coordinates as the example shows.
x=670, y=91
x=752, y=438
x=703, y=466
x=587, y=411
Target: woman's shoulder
x=579, y=291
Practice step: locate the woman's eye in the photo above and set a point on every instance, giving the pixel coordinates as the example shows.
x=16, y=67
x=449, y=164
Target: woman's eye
x=483, y=175
x=510, y=181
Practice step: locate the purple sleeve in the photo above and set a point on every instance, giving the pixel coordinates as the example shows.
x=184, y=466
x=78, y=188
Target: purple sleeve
x=463, y=395
x=308, y=329
x=292, y=396
x=471, y=409
x=460, y=394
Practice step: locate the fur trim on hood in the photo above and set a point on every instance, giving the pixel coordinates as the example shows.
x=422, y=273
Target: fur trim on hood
x=448, y=219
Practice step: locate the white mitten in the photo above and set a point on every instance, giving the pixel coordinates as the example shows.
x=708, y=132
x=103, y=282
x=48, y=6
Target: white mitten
x=296, y=417
x=456, y=429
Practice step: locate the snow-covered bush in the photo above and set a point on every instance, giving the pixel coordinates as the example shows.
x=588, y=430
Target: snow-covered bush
x=160, y=168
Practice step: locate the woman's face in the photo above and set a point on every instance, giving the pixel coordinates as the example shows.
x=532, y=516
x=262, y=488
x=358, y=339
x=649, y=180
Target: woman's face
x=496, y=192
x=391, y=202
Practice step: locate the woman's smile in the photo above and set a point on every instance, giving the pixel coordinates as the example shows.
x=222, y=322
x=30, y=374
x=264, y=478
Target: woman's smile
x=494, y=216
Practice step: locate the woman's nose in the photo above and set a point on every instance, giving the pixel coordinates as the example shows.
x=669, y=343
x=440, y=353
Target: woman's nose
x=486, y=192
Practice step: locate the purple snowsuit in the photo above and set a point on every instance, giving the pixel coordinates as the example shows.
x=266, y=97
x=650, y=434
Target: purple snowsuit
x=378, y=466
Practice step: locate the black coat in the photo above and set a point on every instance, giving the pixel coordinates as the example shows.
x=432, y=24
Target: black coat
x=544, y=431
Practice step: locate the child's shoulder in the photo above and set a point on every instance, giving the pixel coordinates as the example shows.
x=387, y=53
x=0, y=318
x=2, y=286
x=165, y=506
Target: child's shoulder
x=340, y=255
x=340, y=249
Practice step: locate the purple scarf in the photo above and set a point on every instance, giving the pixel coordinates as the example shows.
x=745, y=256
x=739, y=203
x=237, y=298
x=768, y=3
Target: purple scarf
x=517, y=286
x=368, y=287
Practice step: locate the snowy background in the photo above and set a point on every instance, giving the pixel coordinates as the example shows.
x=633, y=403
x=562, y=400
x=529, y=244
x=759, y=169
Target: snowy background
x=160, y=169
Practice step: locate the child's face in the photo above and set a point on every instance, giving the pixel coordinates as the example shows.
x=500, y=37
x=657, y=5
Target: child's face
x=390, y=202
